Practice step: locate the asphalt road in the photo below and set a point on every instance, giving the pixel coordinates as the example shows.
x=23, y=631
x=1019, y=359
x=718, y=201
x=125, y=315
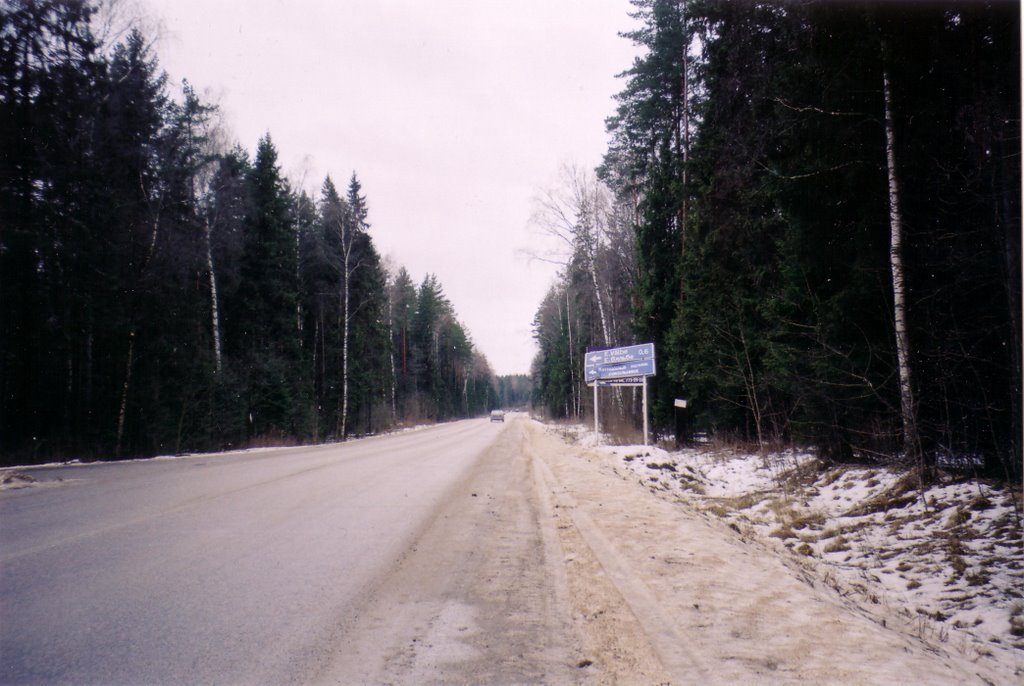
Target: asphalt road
x=262, y=567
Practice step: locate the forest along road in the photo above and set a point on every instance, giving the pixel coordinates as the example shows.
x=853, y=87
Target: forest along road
x=268, y=566
x=464, y=553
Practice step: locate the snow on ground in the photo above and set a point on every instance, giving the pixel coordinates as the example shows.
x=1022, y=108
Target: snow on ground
x=950, y=561
x=11, y=480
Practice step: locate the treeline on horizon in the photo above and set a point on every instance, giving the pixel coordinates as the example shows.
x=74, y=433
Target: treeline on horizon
x=772, y=167
x=162, y=292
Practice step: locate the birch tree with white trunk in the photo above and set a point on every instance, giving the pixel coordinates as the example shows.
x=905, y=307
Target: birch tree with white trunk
x=351, y=222
x=907, y=410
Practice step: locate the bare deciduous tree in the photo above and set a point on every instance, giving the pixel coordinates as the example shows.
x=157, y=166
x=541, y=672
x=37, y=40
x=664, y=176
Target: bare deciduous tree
x=576, y=213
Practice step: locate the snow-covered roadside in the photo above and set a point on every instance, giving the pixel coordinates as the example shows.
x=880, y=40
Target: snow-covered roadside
x=951, y=563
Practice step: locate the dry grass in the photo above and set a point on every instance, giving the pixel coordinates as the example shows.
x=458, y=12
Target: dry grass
x=783, y=532
x=848, y=528
x=980, y=504
x=743, y=502
x=899, y=495
x=1017, y=619
x=958, y=518
x=690, y=483
x=831, y=476
x=810, y=520
x=958, y=564
x=978, y=578
x=718, y=510
x=799, y=475
x=838, y=545
x=783, y=510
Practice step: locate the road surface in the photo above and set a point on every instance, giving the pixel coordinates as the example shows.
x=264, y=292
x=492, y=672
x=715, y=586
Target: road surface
x=255, y=567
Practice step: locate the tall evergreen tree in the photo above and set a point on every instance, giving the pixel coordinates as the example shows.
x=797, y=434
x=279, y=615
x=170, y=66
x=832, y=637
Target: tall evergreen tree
x=321, y=271
x=647, y=165
x=51, y=71
x=366, y=352
x=267, y=306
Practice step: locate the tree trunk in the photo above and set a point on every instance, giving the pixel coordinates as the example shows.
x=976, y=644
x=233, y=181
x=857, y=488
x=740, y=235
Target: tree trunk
x=342, y=422
x=600, y=300
x=391, y=356
x=683, y=149
x=572, y=369
x=750, y=381
x=123, y=411
x=298, y=280
x=317, y=378
x=214, y=308
x=911, y=441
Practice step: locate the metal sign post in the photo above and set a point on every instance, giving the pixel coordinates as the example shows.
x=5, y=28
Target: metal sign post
x=645, y=411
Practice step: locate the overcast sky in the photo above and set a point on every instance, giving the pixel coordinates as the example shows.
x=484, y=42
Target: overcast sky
x=453, y=113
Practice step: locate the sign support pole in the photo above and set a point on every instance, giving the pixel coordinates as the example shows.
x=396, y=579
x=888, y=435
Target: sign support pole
x=645, y=411
x=597, y=428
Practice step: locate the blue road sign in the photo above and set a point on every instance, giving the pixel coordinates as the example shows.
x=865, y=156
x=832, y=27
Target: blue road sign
x=633, y=360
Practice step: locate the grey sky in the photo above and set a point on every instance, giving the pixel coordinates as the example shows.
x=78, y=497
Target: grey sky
x=452, y=113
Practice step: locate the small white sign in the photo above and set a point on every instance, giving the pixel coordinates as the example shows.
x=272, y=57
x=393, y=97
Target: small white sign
x=680, y=402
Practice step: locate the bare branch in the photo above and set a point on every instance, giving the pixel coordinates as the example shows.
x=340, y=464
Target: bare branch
x=818, y=110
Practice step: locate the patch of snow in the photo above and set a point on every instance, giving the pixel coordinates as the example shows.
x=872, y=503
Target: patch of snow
x=12, y=480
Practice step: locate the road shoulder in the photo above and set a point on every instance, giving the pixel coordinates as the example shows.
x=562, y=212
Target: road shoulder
x=479, y=597
x=721, y=609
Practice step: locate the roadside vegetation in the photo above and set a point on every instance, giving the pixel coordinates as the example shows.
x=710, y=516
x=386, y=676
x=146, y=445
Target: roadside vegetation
x=166, y=290
x=813, y=211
